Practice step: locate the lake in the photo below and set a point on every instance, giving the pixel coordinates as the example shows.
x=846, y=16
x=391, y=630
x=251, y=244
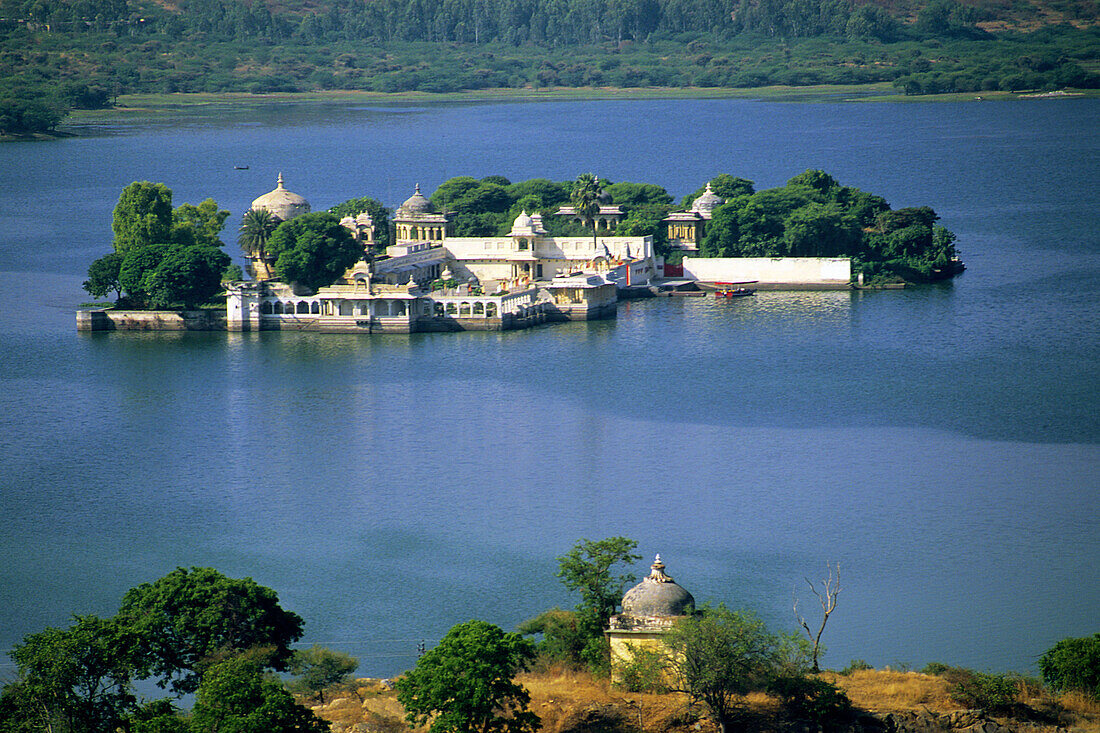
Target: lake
x=941, y=443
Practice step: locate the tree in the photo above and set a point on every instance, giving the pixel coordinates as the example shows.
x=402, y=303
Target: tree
x=137, y=263
x=1073, y=664
x=379, y=214
x=313, y=250
x=830, y=589
x=587, y=569
x=319, y=667
x=466, y=685
x=103, y=276
x=190, y=619
x=585, y=198
x=75, y=680
x=199, y=224
x=256, y=229
x=235, y=698
x=717, y=656
x=187, y=275
x=142, y=216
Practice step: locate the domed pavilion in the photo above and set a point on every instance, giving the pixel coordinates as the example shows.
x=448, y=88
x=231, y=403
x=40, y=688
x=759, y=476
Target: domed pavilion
x=650, y=609
x=686, y=229
x=282, y=203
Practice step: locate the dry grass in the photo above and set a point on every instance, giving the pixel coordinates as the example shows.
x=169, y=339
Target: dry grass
x=871, y=689
x=571, y=701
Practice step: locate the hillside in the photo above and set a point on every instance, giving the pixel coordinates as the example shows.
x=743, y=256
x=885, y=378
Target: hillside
x=572, y=702
x=57, y=55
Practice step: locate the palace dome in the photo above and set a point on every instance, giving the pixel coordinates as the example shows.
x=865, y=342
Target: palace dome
x=523, y=226
x=415, y=204
x=657, y=596
x=706, y=203
x=281, y=202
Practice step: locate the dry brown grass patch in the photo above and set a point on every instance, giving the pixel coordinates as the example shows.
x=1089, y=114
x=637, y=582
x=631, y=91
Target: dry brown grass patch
x=872, y=689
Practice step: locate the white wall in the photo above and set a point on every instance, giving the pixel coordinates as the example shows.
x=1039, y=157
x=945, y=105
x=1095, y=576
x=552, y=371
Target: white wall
x=785, y=270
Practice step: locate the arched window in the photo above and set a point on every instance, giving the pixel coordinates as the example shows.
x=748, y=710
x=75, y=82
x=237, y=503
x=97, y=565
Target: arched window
x=303, y=307
x=491, y=310
x=439, y=309
x=452, y=309
x=315, y=307
x=479, y=308
x=267, y=309
x=278, y=308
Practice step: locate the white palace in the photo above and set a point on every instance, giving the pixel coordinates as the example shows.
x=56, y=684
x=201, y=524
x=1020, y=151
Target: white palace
x=493, y=283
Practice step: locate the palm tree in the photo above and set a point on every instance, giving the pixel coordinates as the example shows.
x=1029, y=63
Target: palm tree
x=256, y=228
x=585, y=198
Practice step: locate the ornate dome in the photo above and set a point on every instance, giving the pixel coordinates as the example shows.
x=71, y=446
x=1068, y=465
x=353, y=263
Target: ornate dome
x=415, y=204
x=523, y=226
x=282, y=203
x=657, y=596
x=603, y=196
x=706, y=203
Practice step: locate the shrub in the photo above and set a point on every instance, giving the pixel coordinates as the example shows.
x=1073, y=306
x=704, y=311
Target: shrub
x=1073, y=664
x=993, y=692
x=645, y=672
x=856, y=665
x=812, y=699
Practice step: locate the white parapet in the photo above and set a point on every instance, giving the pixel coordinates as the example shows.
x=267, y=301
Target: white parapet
x=804, y=271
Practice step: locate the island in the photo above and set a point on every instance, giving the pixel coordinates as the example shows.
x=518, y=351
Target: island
x=490, y=254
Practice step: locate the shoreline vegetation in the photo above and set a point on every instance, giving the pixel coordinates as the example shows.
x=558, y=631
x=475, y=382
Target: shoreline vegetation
x=57, y=56
x=139, y=106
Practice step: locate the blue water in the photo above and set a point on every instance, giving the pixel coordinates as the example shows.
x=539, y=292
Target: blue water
x=941, y=443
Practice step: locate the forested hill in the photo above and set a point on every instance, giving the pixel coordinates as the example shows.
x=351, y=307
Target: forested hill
x=60, y=54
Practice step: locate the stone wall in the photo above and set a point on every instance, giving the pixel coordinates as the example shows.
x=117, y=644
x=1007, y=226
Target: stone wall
x=116, y=320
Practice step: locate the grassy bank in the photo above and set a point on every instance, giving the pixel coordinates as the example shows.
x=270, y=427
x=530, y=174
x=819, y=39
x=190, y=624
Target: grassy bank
x=137, y=106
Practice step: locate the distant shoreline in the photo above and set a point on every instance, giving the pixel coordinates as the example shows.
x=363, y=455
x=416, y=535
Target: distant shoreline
x=131, y=106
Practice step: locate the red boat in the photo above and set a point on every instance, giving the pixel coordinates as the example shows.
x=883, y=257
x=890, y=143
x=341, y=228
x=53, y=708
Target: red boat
x=732, y=290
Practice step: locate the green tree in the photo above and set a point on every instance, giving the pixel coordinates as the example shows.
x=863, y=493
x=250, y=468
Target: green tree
x=190, y=619
x=585, y=198
x=313, y=250
x=717, y=656
x=186, y=275
x=103, y=276
x=319, y=667
x=199, y=224
x=256, y=229
x=379, y=214
x=724, y=185
x=588, y=569
x=1073, y=664
x=466, y=685
x=142, y=216
x=563, y=639
x=137, y=264
x=75, y=680
x=234, y=697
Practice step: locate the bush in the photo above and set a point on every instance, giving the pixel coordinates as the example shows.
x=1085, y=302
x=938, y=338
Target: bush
x=645, y=672
x=812, y=699
x=993, y=692
x=1073, y=664
x=856, y=665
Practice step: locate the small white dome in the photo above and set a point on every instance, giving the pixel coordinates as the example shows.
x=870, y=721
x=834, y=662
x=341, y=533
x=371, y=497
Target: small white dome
x=706, y=203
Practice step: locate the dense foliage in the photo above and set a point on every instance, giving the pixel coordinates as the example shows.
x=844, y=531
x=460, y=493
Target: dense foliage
x=465, y=684
x=163, y=257
x=57, y=55
x=1073, y=664
x=814, y=216
x=312, y=250
x=191, y=630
